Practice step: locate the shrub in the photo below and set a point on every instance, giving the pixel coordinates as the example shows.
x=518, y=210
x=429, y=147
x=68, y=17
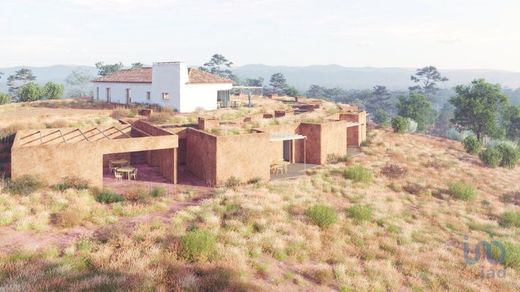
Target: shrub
x=512, y=256
x=254, y=180
x=5, y=98
x=24, y=185
x=491, y=157
x=72, y=183
x=158, y=192
x=381, y=117
x=109, y=197
x=138, y=195
x=198, y=245
x=472, y=145
x=232, y=182
x=358, y=173
x=160, y=118
x=412, y=126
x=462, y=191
x=510, y=219
x=509, y=154
x=400, y=124
x=335, y=158
x=393, y=171
x=119, y=113
x=70, y=217
x=360, y=213
x=322, y=215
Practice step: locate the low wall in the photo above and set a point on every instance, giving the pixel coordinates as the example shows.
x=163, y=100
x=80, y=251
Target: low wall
x=201, y=151
x=53, y=163
x=243, y=157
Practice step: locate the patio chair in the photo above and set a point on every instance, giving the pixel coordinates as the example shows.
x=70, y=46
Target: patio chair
x=118, y=175
x=133, y=174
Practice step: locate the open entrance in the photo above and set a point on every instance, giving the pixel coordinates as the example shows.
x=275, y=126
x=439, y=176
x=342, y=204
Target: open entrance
x=287, y=151
x=293, y=157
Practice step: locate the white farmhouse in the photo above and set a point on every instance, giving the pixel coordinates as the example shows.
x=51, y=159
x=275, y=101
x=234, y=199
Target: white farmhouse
x=167, y=84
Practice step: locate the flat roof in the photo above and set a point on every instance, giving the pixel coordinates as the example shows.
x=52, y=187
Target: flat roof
x=286, y=136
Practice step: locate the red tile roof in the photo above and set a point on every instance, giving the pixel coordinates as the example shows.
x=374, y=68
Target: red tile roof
x=199, y=76
x=144, y=75
x=137, y=75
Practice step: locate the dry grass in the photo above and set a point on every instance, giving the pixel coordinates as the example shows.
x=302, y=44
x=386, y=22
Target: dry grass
x=265, y=241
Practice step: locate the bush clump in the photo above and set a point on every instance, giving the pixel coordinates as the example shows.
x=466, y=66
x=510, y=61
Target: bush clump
x=359, y=174
x=360, y=213
x=24, y=185
x=198, y=245
x=491, y=157
x=510, y=155
x=462, y=191
x=158, y=192
x=109, y=197
x=394, y=171
x=512, y=256
x=232, y=182
x=400, y=124
x=510, y=219
x=322, y=215
x=72, y=183
x=472, y=145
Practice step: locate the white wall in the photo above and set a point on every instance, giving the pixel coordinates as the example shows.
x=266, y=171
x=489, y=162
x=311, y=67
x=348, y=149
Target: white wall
x=118, y=91
x=171, y=78
x=201, y=96
x=167, y=78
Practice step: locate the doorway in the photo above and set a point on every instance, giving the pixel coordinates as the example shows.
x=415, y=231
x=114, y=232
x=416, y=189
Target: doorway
x=287, y=150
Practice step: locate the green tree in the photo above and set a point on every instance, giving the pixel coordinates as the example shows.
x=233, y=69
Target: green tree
x=21, y=77
x=106, y=69
x=379, y=98
x=381, y=117
x=278, y=83
x=511, y=122
x=426, y=80
x=137, y=65
x=30, y=92
x=416, y=107
x=258, y=82
x=78, y=81
x=477, y=108
x=316, y=91
x=5, y=98
x=292, y=91
x=52, y=90
x=219, y=65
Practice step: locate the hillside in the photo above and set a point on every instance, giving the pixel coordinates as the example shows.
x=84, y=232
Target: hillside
x=324, y=75
x=400, y=230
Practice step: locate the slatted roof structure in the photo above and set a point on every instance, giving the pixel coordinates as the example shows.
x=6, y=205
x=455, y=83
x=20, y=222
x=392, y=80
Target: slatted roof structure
x=74, y=135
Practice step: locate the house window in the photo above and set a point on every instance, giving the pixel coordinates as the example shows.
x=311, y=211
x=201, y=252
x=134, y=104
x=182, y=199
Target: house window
x=165, y=95
x=148, y=95
x=97, y=93
x=108, y=94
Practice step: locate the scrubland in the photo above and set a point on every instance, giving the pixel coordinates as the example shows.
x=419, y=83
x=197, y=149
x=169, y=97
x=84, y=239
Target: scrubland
x=394, y=217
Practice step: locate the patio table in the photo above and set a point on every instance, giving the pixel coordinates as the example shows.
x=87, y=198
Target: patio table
x=119, y=162
x=127, y=170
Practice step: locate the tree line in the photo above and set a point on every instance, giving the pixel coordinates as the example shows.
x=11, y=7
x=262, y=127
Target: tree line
x=22, y=87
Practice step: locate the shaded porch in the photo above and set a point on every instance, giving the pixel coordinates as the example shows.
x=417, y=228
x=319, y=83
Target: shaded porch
x=150, y=177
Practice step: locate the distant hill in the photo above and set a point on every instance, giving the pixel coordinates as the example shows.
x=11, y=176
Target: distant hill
x=303, y=77
x=367, y=77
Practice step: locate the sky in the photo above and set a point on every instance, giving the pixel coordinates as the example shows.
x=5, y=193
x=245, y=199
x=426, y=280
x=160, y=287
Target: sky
x=449, y=34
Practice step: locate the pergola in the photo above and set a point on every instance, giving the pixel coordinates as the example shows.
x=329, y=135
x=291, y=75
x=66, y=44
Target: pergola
x=291, y=137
